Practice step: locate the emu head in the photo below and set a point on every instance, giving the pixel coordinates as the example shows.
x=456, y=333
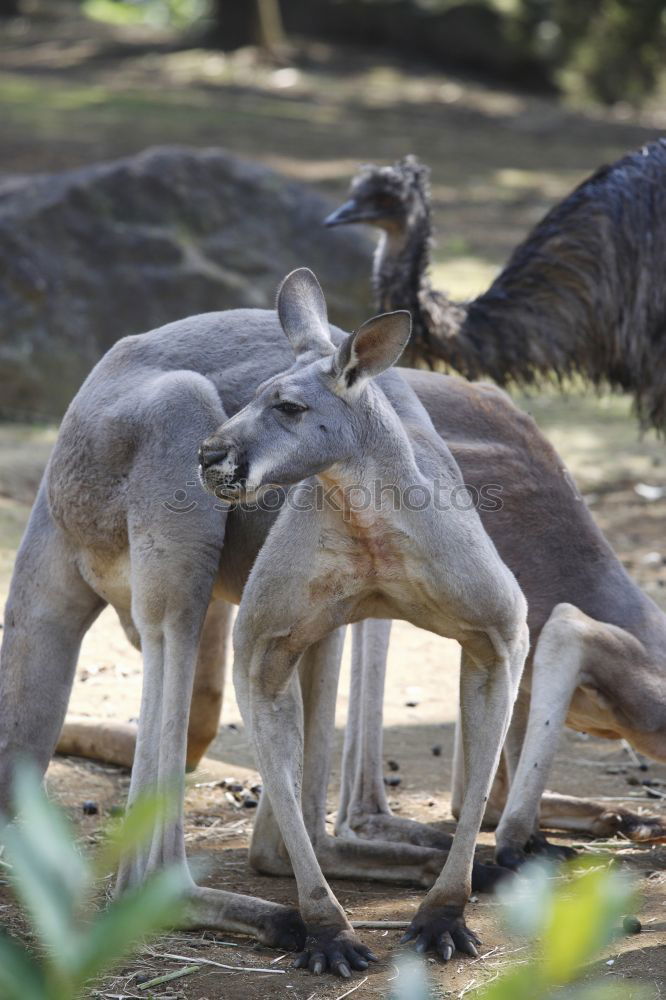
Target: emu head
x=317, y=413
x=386, y=197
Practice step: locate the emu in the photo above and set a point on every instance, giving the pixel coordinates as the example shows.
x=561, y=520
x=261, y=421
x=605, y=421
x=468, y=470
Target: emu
x=583, y=295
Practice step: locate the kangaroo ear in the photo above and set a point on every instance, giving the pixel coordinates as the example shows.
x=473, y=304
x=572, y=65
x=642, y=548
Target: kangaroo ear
x=372, y=349
x=301, y=308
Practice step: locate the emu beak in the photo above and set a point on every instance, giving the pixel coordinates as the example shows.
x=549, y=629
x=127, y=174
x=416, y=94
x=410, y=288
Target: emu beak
x=347, y=213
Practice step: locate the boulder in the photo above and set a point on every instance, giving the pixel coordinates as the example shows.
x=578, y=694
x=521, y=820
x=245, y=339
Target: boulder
x=90, y=255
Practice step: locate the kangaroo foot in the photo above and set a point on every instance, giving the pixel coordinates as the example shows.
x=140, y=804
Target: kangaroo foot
x=395, y=829
x=379, y=861
x=640, y=829
x=486, y=877
x=352, y=858
x=333, y=949
x=538, y=846
x=271, y=923
x=514, y=857
x=274, y=925
x=441, y=929
x=384, y=826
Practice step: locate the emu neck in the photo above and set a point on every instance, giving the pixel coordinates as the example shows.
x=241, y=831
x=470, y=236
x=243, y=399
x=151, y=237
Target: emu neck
x=511, y=332
x=401, y=263
x=401, y=280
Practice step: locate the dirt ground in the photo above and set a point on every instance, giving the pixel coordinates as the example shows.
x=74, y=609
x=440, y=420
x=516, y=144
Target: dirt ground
x=499, y=160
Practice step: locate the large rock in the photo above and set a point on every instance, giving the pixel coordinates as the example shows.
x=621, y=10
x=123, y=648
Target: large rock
x=90, y=255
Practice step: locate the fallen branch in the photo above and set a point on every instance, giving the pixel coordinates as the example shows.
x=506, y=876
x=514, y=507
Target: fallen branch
x=353, y=989
x=158, y=980
x=391, y=925
x=218, y=965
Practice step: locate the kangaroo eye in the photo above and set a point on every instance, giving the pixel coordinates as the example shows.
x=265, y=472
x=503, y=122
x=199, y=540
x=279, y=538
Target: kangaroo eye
x=290, y=408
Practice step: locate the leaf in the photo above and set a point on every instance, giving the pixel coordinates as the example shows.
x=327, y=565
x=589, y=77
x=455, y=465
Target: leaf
x=573, y=921
x=521, y=983
x=528, y=900
x=50, y=877
x=608, y=991
x=584, y=916
x=45, y=827
x=133, y=829
x=151, y=907
x=21, y=977
x=413, y=982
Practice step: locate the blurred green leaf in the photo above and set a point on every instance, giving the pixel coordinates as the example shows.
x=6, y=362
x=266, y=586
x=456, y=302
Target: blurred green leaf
x=607, y=991
x=569, y=920
x=527, y=900
x=413, y=979
x=584, y=916
x=158, y=13
x=151, y=907
x=127, y=833
x=21, y=978
x=53, y=882
x=519, y=983
x=49, y=875
x=45, y=828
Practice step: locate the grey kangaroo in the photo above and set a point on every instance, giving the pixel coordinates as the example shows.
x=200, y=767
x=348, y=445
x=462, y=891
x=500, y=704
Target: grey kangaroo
x=330, y=417
x=598, y=644
x=103, y=530
x=596, y=660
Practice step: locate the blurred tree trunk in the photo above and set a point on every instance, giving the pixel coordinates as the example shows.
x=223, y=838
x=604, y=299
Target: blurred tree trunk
x=271, y=28
x=9, y=8
x=247, y=22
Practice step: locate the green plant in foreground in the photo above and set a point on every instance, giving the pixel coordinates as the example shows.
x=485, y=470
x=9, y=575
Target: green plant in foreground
x=567, y=921
x=54, y=883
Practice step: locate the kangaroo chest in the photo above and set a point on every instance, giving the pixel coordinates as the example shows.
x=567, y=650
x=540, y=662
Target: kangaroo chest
x=374, y=567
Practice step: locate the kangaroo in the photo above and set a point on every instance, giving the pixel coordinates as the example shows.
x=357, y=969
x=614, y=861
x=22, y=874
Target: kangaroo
x=580, y=594
x=120, y=518
x=332, y=417
x=597, y=643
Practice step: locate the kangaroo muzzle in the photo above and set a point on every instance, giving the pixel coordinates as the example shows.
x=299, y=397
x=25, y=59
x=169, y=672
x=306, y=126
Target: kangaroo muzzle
x=222, y=469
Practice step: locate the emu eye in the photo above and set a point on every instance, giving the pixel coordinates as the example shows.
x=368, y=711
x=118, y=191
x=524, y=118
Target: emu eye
x=291, y=409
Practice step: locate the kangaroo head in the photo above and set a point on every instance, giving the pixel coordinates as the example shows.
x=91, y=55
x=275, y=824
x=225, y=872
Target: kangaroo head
x=312, y=416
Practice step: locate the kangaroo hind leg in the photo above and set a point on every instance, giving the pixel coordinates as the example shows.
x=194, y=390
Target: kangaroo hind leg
x=574, y=657
x=49, y=609
x=174, y=558
x=209, y=677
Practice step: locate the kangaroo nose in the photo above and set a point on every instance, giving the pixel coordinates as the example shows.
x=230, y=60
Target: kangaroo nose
x=211, y=456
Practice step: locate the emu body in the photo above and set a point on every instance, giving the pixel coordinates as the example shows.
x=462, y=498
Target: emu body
x=583, y=294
